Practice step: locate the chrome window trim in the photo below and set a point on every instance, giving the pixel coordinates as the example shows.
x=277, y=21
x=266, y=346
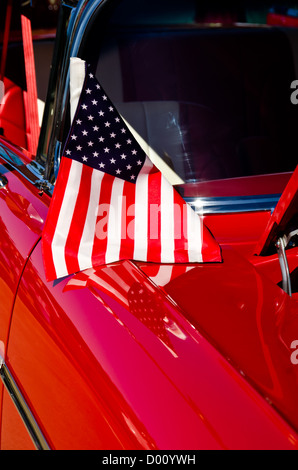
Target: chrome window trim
x=20, y=403
x=32, y=172
x=226, y=205
x=74, y=18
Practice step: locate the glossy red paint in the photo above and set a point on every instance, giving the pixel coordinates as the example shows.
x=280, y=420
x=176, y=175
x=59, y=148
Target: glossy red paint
x=21, y=221
x=275, y=19
x=142, y=356
x=17, y=240
x=250, y=320
x=132, y=384
x=82, y=347
x=239, y=230
x=55, y=349
x=12, y=116
x=245, y=186
x=14, y=435
x=281, y=221
x=270, y=267
x=82, y=350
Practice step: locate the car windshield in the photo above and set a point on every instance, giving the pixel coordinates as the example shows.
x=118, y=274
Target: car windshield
x=211, y=101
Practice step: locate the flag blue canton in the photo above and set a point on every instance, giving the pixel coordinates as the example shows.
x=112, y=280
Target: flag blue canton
x=99, y=136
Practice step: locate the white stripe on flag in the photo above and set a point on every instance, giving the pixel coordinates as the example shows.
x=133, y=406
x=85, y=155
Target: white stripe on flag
x=76, y=81
x=114, y=223
x=167, y=222
x=65, y=218
x=86, y=244
x=141, y=218
x=194, y=233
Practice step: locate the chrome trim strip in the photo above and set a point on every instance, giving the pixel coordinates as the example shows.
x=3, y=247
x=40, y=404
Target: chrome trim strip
x=22, y=407
x=225, y=205
x=30, y=172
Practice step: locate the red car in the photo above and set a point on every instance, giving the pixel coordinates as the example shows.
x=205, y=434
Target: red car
x=136, y=354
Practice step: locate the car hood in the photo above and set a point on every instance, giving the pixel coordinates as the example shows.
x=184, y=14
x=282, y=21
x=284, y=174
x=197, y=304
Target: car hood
x=249, y=319
x=243, y=315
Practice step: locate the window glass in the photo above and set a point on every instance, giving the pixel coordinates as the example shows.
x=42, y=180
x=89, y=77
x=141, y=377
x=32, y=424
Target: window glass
x=16, y=122
x=212, y=101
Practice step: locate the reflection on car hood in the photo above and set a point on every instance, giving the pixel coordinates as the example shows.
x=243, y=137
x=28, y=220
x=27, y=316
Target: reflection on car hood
x=248, y=319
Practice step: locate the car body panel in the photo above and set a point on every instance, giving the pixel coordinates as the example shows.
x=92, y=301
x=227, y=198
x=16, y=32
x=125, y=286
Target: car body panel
x=136, y=384
x=14, y=435
x=251, y=321
x=22, y=218
x=238, y=187
x=53, y=342
x=282, y=221
x=21, y=222
x=137, y=355
x=62, y=346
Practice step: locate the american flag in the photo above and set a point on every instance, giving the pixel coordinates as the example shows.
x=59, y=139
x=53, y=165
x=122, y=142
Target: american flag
x=111, y=203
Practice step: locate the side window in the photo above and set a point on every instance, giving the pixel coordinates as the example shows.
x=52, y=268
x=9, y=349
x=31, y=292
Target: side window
x=12, y=112
x=200, y=97
x=24, y=70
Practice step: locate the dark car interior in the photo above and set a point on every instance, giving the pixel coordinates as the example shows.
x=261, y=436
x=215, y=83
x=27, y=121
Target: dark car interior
x=204, y=84
x=226, y=101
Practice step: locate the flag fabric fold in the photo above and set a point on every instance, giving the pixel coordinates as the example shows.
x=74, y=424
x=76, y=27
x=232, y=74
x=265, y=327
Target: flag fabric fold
x=110, y=202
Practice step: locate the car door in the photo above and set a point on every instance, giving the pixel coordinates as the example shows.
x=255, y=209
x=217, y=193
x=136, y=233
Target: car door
x=21, y=220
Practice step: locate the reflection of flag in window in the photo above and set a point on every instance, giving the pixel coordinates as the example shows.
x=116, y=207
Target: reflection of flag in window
x=111, y=203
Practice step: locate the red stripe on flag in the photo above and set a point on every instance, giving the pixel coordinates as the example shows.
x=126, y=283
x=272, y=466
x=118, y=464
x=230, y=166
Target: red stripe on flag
x=79, y=214
x=154, y=217
x=101, y=229
x=127, y=221
x=52, y=217
x=180, y=229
